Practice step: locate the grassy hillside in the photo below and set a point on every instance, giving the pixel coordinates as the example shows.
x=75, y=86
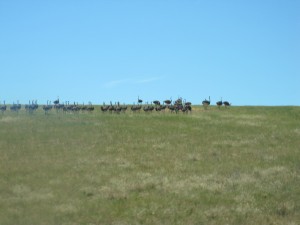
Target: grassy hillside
x=234, y=166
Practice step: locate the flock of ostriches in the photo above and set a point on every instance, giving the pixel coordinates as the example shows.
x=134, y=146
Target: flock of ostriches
x=176, y=106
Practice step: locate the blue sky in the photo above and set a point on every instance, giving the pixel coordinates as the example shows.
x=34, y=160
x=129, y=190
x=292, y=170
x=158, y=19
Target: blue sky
x=247, y=52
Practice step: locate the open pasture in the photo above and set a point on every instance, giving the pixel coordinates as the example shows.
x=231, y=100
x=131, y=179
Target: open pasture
x=231, y=166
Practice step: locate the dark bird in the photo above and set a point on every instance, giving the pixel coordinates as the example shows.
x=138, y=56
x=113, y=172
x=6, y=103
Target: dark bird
x=168, y=102
x=104, y=107
x=156, y=102
x=111, y=108
x=226, y=103
x=219, y=103
x=135, y=108
x=90, y=108
x=172, y=108
x=206, y=103
x=188, y=103
x=47, y=107
x=15, y=107
x=56, y=102
x=3, y=108
x=124, y=108
x=140, y=101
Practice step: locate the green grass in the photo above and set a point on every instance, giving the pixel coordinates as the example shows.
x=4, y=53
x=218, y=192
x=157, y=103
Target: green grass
x=235, y=166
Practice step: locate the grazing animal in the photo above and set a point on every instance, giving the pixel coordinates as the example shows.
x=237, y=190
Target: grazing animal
x=187, y=103
x=219, y=103
x=135, y=108
x=226, y=103
x=3, y=108
x=90, y=108
x=15, y=107
x=56, y=102
x=178, y=101
x=31, y=107
x=124, y=108
x=148, y=108
x=111, y=108
x=206, y=103
x=47, y=108
x=118, y=108
x=83, y=107
x=140, y=101
x=172, y=108
x=160, y=108
x=189, y=108
x=104, y=107
x=168, y=102
x=156, y=102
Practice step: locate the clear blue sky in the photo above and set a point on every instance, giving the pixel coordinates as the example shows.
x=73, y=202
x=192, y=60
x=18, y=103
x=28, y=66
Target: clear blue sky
x=247, y=52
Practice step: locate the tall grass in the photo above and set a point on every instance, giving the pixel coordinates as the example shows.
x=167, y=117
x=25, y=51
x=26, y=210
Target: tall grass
x=234, y=166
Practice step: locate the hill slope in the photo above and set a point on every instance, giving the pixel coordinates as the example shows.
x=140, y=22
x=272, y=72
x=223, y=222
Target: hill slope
x=234, y=166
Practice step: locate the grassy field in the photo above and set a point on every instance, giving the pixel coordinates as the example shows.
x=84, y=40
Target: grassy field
x=234, y=166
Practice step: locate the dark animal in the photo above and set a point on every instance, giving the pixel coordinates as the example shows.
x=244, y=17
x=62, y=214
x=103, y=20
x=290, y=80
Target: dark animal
x=111, y=108
x=104, y=108
x=219, y=103
x=90, y=108
x=226, y=103
x=140, y=101
x=56, y=102
x=172, y=108
x=47, y=108
x=168, y=102
x=135, y=108
x=206, y=103
x=3, y=108
x=156, y=102
x=15, y=107
x=124, y=108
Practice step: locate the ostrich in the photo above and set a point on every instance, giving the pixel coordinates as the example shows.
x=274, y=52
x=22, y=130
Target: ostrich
x=83, y=107
x=3, y=107
x=156, y=102
x=90, y=108
x=206, y=103
x=124, y=108
x=15, y=107
x=31, y=107
x=146, y=108
x=104, y=107
x=184, y=109
x=160, y=108
x=27, y=107
x=187, y=103
x=187, y=107
x=151, y=107
x=118, y=108
x=168, y=102
x=47, y=107
x=56, y=102
x=226, y=103
x=35, y=105
x=219, y=103
x=111, y=108
x=135, y=108
x=163, y=107
x=172, y=108
x=140, y=101
x=178, y=101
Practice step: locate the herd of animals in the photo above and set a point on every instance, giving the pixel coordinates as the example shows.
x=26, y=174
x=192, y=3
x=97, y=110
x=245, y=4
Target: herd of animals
x=176, y=106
